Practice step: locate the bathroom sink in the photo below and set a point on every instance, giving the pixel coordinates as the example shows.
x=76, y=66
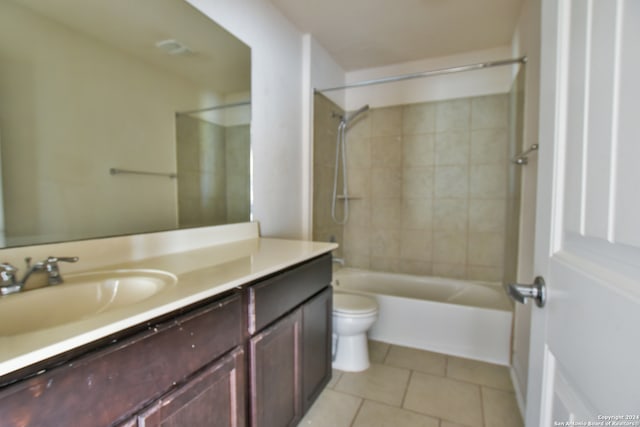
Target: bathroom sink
x=79, y=297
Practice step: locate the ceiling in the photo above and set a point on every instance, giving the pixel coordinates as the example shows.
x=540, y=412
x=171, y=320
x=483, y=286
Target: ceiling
x=136, y=26
x=369, y=33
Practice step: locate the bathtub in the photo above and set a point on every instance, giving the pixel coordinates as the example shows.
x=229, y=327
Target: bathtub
x=456, y=317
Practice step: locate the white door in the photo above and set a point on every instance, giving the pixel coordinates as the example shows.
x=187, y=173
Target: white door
x=585, y=343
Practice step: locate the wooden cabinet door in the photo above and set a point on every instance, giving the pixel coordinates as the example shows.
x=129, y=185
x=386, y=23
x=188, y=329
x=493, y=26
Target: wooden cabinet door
x=214, y=398
x=317, y=327
x=275, y=358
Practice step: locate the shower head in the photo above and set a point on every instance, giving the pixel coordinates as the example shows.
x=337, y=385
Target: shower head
x=348, y=118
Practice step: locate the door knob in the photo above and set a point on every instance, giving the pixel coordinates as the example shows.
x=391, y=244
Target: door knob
x=520, y=293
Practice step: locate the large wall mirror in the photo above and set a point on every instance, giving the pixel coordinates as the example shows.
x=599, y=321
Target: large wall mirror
x=119, y=117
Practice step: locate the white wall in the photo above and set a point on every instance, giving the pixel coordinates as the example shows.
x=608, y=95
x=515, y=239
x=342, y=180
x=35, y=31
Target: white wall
x=319, y=70
x=276, y=110
x=526, y=41
x=436, y=88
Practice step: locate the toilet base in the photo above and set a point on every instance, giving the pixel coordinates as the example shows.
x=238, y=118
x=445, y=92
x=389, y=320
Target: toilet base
x=351, y=352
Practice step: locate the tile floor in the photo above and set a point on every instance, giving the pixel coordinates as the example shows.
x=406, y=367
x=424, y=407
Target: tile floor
x=405, y=387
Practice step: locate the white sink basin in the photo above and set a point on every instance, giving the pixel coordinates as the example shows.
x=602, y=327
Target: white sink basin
x=79, y=297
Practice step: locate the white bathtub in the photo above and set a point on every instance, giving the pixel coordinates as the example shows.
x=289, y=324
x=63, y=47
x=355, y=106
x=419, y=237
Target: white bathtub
x=456, y=317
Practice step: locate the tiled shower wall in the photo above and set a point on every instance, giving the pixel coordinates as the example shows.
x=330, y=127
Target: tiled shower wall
x=431, y=182
x=213, y=172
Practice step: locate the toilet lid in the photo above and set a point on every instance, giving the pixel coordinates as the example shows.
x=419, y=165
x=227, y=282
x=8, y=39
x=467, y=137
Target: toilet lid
x=353, y=304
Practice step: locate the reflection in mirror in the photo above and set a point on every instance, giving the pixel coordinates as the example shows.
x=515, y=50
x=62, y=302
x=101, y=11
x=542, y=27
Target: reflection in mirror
x=213, y=153
x=142, y=86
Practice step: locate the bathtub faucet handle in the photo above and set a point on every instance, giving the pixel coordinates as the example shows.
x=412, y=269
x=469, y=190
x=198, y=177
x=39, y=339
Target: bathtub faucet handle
x=520, y=293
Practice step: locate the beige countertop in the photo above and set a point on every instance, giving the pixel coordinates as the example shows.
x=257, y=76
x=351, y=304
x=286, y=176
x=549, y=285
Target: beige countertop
x=201, y=273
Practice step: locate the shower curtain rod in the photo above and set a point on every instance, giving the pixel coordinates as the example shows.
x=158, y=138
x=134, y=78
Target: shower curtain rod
x=437, y=72
x=217, y=107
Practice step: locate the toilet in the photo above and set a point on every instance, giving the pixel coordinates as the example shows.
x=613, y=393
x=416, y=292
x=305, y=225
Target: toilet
x=353, y=315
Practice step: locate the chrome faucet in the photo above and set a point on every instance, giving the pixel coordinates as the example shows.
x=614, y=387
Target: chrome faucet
x=9, y=284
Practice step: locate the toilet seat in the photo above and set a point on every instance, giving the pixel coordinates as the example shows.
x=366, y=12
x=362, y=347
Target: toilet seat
x=353, y=305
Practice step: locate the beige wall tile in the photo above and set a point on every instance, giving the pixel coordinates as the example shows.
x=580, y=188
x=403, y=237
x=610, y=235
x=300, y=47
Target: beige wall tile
x=373, y=414
x=454, y=271
x=385, y=384
x=486, y=249
x=385, y=212
x=356, y=239
x=451, y=182
x=500, y=408
x=358, y=152
x=417, y=214
x=416, y=245
x=486, y=181
x=386, y=151
x=490, y=112
x=487, y=215
x=417, y=360
x=386, y=183
x=452, y=148
x=419, y=118
x=360, y=127
x=417, y=267
x=445, y=398
x=480, y=373
x=418, y=150
x=453, y=115
x=450, y=215
x=385, y=243
x=486, y=274
x=357, y=260
x=386, y=121
x=417, y=182
x=359, y=213
x=489, y=146
x=449, y=247
x=391, y=265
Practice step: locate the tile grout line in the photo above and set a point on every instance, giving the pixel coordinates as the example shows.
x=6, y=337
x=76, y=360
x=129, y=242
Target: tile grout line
x=355, y=416
x=406, y=389
x=482, y=407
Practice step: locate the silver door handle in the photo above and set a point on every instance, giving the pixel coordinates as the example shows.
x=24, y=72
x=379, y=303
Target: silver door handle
x=520, y=293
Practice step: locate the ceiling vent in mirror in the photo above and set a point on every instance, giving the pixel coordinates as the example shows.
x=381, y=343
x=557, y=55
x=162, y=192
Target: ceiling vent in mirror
x=173, y=47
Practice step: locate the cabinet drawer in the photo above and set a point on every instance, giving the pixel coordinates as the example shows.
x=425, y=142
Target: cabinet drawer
x=102, y=387
x=278, y=295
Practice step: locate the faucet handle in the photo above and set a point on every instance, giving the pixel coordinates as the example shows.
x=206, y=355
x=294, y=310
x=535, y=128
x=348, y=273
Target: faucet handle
x=54, y=259
x=7, y=273
x=51, y=265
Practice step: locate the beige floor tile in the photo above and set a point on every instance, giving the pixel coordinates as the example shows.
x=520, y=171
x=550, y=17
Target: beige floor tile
x=500, y=408
x=479, y=373
x=373, y=414
x=378, y=351
x=335, y=376
x=332, y=409
x=385, y=384
x=418, y=360
x=445, y=398
x=444, y=423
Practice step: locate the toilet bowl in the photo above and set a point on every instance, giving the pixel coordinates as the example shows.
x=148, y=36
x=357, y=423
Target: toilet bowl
x=353, y=315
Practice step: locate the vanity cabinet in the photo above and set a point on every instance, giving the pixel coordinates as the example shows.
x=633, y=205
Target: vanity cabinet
x=214, y=398
x=117, y=381
x=276, y=375
x=259, y=355
x=290, y=348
